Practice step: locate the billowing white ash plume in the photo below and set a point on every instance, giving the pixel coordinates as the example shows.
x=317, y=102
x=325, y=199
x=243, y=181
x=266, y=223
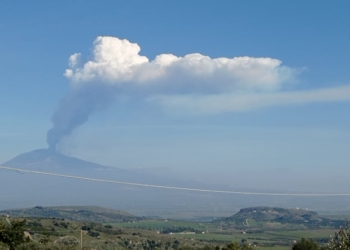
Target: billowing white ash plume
x=194, y=82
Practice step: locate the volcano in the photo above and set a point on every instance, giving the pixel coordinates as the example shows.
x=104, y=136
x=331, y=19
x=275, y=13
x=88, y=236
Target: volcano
x=21, y=189
x=51, y=160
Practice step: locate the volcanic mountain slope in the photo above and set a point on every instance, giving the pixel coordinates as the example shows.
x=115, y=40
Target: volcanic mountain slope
x=48, y=159
x=23, y=189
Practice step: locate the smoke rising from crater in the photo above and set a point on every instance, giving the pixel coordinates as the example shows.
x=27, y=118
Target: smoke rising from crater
x=75, y=109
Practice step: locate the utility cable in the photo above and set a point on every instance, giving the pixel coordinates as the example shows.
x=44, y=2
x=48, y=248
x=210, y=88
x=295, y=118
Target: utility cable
x=171, y=187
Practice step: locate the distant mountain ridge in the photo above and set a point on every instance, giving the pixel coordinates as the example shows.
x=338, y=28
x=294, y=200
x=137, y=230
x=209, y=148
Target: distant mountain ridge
x=76, y=213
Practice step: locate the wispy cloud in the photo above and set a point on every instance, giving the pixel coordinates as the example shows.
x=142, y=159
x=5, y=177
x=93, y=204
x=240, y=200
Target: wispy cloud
x=246, y=101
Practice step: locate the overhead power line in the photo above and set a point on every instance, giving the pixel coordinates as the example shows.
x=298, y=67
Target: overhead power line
x=171, y=187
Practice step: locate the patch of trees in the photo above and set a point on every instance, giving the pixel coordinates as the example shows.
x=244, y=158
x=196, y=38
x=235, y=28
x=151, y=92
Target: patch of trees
x=340, y=241
x=12, y=233
x=180, y=229
x=108, y=229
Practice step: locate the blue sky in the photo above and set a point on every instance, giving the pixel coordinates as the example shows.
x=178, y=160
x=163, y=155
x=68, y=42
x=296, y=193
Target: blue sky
x=185, y=127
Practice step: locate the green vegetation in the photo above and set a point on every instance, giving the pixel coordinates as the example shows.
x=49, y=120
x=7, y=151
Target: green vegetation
x=304, y=244
x=12, y=233
x=59, y=233
x=150, y=234
x=165, y=226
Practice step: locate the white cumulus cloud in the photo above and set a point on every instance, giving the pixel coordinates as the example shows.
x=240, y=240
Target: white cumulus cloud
x=115, y=62
x=74, y=60
x=194, y=83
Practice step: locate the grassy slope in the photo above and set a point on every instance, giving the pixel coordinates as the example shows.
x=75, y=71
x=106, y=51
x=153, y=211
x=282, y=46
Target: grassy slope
x=97, y=235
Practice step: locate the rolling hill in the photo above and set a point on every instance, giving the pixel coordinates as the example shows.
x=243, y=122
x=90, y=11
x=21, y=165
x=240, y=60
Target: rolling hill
x=76, y=213
x=265, y=217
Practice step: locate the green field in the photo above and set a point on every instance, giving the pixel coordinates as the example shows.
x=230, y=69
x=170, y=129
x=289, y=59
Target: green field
x=312, y=234
x=211, y=233
x=161, y=224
